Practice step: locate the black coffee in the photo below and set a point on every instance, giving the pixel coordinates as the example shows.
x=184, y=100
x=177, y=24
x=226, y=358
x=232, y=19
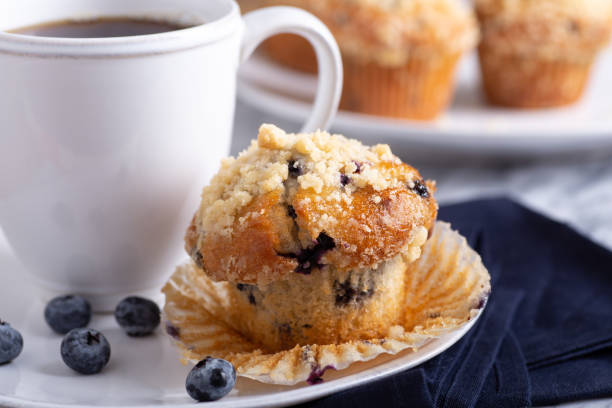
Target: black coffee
x=101, y=27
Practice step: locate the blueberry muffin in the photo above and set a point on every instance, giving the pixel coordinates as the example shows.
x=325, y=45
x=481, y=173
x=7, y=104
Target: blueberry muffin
x=444, y=289
x=399, y=56
x=539, y=53
x=314, y=232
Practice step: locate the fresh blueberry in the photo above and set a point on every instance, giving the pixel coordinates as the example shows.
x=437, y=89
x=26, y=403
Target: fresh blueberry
x=11, y=343
x=210, y=380
x=86, y=351
x=137, y=316
x=65, y=313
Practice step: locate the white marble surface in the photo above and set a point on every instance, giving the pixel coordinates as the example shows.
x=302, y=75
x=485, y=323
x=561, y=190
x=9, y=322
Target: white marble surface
x=575, y=190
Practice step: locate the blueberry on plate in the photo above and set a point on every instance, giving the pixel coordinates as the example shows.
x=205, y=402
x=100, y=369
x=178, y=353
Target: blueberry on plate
x=86, y=351
x=68, y=312
x=210, y=379
x=137, y=316
x=11, y=343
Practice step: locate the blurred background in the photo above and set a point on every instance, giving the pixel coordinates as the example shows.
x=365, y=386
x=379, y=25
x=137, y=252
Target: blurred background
x=534, y=123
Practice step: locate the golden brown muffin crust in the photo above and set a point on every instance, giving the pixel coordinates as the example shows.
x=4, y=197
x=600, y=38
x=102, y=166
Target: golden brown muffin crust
x=376, y=226
x=294, y=203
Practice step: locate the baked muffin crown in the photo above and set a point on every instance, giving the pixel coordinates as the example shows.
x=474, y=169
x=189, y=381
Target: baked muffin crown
x=389, y=32
x=587, y=9
x=292, y=203
x=554, y=29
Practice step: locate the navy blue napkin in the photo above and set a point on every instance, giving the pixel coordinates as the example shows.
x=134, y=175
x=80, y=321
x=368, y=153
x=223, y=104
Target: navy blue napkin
x=545, y=336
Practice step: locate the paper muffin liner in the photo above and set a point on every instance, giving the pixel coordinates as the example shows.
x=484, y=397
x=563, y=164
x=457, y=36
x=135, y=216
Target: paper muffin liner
x=445, y=288
x=420, y=89
x=531, y=82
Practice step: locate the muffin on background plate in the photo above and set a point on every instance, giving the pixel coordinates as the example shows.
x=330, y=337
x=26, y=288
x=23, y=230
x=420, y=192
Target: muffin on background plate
x=539, y=53
x=248, y=5
x=399, y=56
x=311, y=251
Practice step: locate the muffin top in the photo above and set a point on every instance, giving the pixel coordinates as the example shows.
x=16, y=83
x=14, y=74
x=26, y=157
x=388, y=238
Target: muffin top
x=389, y=32
x=293, y=203
x=549, y=28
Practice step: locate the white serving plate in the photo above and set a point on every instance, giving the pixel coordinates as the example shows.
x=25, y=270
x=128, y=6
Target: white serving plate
x=146, y=372
x=469, y=125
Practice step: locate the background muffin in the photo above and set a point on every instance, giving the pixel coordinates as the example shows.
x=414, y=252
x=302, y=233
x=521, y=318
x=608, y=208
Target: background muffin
x=314, y=233
x=399, y=56
x=538, y=53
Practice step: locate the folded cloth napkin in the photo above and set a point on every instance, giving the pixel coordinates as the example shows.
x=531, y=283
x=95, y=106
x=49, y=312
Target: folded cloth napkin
x=545, y=336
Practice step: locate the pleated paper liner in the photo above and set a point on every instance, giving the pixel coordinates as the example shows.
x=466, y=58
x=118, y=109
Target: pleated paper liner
x=446, y=288
x=419, y=89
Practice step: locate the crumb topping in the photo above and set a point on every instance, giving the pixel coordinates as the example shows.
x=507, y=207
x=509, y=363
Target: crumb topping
x=390, y=32
x=330, y=166
x=551, y=29
x=588, y=9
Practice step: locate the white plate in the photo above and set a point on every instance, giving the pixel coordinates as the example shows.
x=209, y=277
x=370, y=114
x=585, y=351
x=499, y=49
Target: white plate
x=470, y=125
x=146, y=372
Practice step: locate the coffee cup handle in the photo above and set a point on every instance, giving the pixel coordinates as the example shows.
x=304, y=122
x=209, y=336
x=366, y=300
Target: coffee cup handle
x=267, y=22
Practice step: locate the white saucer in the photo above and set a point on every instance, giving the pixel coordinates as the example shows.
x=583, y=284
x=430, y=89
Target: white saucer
x=470, y=125
x=145, y=372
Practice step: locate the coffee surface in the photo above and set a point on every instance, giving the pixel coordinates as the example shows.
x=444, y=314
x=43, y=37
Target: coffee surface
x=102, y=27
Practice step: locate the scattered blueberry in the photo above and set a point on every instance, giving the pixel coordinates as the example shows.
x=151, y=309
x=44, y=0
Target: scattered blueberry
x=65, y=313
x=11, y=343
x=420, y=188
x=137, y=316
x=344, y=179
x=210, y=380
x=86, y=351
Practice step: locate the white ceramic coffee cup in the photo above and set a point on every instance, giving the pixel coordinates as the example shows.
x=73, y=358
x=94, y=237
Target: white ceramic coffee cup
x=106, y=143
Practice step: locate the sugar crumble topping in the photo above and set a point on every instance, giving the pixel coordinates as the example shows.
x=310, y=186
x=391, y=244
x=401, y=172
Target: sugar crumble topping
x=549, y=29
x=390, y=32
x=287, y=163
